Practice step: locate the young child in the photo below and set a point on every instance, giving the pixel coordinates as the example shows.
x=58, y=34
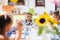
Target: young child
x=5, y=24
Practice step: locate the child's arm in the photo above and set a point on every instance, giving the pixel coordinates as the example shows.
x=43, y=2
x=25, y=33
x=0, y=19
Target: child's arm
x=19, y=31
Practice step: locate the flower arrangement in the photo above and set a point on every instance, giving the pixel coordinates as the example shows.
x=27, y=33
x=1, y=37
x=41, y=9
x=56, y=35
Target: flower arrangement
x=43, y=21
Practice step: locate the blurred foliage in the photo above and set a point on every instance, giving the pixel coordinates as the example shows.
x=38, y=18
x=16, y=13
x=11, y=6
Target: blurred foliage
x=31, y=10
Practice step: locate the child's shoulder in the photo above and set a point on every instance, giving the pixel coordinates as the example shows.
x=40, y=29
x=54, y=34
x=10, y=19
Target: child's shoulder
x=1, y=37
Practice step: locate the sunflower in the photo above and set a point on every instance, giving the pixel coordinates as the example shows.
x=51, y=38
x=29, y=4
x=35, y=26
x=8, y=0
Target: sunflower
x=41, y=20
x=50, y=19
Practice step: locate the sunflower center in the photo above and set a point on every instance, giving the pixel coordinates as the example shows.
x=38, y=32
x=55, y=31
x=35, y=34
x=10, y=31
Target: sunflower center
x=42, y=20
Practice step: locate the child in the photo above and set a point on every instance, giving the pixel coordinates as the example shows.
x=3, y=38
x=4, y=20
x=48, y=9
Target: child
x=5, y=24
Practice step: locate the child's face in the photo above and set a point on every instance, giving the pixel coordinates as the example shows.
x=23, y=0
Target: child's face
x=56, y=17
x=7, y=27
x=28, y=17
x=59, y=21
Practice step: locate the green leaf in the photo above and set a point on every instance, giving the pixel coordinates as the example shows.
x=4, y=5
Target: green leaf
x=56, y=30
x=40, y=30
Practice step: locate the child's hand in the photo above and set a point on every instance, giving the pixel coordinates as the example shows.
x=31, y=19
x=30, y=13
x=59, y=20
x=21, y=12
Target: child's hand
x=19, y=25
